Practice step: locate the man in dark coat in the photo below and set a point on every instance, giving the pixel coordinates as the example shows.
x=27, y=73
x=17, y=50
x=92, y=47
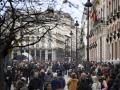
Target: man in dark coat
x=54, y=82
x=35, y=83
x=61, y=81
x=8, y=78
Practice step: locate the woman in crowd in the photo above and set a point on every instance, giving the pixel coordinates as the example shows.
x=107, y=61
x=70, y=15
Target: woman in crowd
x=103, y=81
x=84, y=82
x=21, y=84
x=72, y=83
x=96, y=84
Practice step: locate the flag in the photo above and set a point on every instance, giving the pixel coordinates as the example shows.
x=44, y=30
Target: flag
x=93, y=15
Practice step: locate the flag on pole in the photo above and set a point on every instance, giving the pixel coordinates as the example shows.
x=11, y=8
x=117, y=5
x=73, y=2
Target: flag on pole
x=93, y=15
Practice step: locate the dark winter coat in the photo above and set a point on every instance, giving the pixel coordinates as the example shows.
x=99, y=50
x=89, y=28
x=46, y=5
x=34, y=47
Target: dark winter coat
x=83, y=84
x=61, y=83
x=35, y=84
x=54, y=84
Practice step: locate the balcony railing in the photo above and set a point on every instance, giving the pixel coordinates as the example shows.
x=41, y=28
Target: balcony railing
x=98, y=21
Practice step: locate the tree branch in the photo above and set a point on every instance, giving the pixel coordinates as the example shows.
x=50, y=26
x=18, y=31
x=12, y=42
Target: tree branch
x=39, y=38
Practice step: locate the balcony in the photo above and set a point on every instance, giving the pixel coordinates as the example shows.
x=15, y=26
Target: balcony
x=109, y=18
x=98, y=21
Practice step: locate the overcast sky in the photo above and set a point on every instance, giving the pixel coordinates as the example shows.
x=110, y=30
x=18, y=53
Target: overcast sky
x=73, y=7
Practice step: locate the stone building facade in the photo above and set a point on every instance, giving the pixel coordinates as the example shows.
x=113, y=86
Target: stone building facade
x=104, y=30
x=56, y=45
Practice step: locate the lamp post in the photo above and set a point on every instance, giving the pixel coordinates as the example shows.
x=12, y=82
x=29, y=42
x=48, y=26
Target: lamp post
x=71, y=44
x=76, y=25
x=88, y=4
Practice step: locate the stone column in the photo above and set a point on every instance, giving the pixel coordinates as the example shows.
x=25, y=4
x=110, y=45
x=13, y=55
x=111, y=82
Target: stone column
x=53, y=55
x=111, y=51
x=40, y=55
x=35, y=53
x=46, y=55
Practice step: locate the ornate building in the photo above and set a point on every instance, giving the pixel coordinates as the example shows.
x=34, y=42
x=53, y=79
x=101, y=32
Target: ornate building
x=56, y=44
x=104, y=30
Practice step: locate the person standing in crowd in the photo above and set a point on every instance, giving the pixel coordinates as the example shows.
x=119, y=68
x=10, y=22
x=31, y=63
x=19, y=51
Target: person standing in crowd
x=48, y=78
x=8, y=78
x=103, y=81
x=54, y=82
x=21, y=84
x=35, y=83
x=84, y=82
x=61, y=81
x=72, y=83
x=42, y=78
x=96, y=84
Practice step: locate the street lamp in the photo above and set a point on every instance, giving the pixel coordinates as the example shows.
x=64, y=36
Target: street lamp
x=76, y=25
x=71, y=44
x=88, y=4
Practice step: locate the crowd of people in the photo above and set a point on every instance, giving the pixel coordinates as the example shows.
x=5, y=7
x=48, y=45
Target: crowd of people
x=37, y=75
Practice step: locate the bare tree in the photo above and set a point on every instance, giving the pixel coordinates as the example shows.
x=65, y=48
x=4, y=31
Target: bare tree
x=16, y=17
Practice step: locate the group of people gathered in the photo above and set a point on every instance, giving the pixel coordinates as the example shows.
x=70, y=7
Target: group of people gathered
x=51, y=76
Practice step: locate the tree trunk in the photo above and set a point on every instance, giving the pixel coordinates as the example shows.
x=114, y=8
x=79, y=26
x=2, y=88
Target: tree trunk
x=2, y=77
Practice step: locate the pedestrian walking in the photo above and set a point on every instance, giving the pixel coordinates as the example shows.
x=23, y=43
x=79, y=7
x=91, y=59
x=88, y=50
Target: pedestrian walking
x=35, y=83
x=72, y=83
x=61, y=81
x=96, y=84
